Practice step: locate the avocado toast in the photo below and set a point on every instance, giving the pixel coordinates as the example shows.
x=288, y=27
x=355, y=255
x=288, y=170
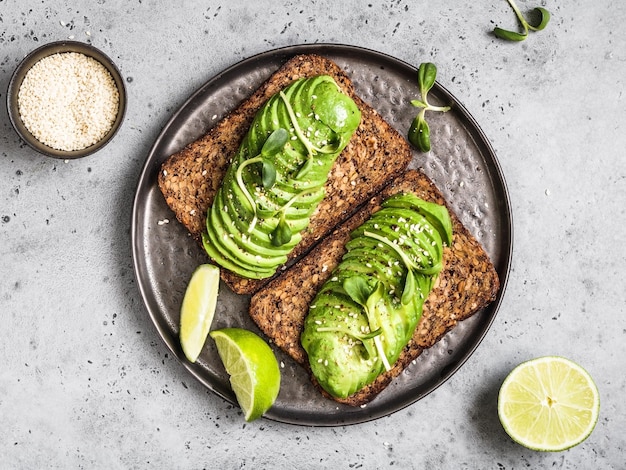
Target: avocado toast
x=366, y=312
x=467, y=283
x=276, y=179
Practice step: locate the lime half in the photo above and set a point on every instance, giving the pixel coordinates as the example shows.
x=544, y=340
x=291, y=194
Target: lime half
x=548, y=404
x=253, y=369
x=198, y=309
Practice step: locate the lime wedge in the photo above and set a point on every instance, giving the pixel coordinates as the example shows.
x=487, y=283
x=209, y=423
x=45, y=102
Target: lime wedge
x=548, y=404
x=198, y=309
x=253, y=369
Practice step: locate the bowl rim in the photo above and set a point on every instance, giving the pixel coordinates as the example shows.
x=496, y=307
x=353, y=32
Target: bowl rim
x=35, y=56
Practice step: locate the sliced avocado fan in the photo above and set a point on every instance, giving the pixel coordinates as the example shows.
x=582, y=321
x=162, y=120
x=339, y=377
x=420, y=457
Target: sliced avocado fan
x=366, y=313
x=276, y=179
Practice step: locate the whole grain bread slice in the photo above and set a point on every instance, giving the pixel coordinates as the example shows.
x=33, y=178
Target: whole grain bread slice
x=376, y=154
x=467, y=283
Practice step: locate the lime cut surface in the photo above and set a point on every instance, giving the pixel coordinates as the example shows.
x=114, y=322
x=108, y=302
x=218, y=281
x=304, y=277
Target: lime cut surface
x=198, y=309
x=253, y=369
x=548, y=404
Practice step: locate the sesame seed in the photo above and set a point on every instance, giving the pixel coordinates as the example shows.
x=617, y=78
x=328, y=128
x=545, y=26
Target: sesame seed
x=68, y=101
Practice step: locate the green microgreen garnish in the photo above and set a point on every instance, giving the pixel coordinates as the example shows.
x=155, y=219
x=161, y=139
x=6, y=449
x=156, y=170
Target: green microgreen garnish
x=359, y=290
x=419, y=132
x=273, y=145
x=544, y=18
x=282, y=233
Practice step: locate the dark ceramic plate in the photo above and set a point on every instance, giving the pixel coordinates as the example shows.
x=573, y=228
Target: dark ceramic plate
x=462, y=164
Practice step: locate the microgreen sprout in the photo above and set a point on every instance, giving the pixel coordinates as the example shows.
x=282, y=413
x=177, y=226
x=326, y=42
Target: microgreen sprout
x=419, y=132
x=273, y=145
x=544, y=18
x=359, y=291
x=282, y=233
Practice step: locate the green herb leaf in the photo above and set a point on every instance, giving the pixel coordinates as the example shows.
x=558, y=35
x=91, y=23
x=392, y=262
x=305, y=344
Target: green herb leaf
x=275, y=142
x=544, y=16
x=268, y=174
x=358, y=289
x=419, y=133
x=508, y=35
x=282, y=233
x=426, y=75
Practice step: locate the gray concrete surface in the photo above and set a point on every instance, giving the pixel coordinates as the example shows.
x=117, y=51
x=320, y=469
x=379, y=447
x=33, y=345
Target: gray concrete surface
x=86, y=382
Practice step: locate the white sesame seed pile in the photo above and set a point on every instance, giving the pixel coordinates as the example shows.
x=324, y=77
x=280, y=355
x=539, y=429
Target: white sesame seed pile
x=68, y=101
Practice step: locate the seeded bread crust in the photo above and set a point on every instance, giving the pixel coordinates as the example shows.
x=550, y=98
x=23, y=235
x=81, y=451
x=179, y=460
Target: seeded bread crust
x=467, y=283
x=376, y=154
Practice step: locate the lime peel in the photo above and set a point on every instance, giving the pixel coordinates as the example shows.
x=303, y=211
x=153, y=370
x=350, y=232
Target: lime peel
x=198, y=309
x=548, y=404
x=252, y=367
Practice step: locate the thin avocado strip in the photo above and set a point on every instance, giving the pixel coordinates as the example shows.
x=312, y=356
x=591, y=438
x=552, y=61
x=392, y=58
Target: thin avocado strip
x=366, y=312
x=276, y=179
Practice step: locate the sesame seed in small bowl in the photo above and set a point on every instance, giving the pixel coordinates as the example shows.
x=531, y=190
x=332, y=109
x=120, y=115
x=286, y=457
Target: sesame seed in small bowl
x=66, y=99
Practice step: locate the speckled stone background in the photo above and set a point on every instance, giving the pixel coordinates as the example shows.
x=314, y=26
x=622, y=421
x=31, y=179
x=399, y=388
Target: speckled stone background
x=85, y=380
